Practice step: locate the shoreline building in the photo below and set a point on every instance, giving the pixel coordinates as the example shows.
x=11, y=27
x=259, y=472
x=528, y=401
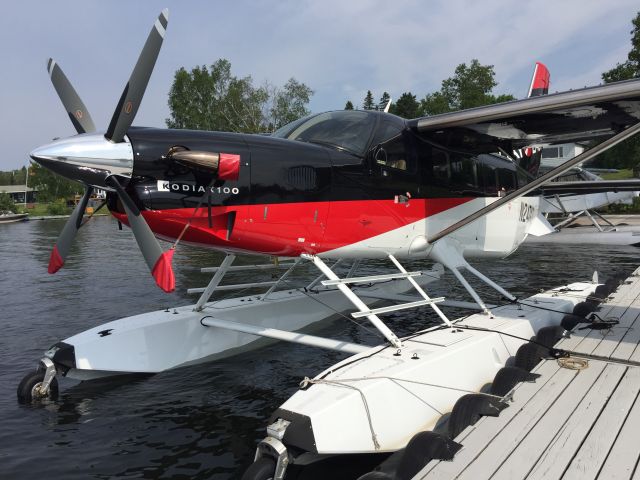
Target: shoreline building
x=18, y=193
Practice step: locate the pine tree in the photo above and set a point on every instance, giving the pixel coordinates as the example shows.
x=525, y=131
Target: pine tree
x=406, y=106
x=348, y=105
x=384, y=100
x=368, y=101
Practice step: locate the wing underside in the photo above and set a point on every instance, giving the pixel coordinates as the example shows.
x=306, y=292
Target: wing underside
x=578, y=115
x=582, y=187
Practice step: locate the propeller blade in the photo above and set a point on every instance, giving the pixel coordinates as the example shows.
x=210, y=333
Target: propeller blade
x=134, y=89
x=71, y=101
x=159, y=262
x=65, y=240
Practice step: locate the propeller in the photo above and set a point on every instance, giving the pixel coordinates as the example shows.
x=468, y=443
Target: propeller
x=134, y=89
x=71, y=101
x=68, y=234
x=159, y=262
x=83, y=123
x=102, y=162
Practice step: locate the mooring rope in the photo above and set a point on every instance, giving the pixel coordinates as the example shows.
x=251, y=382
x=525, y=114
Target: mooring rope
x=573, y=363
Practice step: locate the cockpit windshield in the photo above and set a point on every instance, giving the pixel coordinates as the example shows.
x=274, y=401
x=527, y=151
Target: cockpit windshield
x=348, y=130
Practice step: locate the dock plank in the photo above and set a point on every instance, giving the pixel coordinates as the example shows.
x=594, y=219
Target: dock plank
x=503, y=444
x=594, y=340
x=595, y=449
x=629, y=342
x=610, y=340
x=625, y=454
x=474, y=440
x=635, y=356
x=550, y=448
x=622, y=305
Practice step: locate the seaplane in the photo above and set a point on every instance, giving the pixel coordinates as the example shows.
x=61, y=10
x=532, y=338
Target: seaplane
x=330, y=191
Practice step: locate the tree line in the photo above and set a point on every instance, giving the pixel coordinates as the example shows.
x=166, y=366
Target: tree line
x=50, y=186
x=470, y=86
x=212, y=98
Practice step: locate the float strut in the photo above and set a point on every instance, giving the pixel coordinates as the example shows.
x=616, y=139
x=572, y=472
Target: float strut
x=353, y=298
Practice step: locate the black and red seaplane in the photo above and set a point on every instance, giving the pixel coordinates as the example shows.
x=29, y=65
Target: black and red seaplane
x=341, y=186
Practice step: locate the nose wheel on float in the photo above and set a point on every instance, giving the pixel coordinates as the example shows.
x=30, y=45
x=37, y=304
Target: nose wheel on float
x=40, y=384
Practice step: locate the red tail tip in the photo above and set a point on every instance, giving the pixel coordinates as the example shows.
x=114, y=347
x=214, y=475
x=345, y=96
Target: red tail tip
x=163, y=272
x=541, y=80
x=55, y=260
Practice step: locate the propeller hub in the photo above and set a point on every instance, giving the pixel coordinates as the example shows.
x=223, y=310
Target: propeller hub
x=87, y=158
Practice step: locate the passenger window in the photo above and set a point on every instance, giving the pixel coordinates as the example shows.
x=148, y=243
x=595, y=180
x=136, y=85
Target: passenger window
x=523, y=178
x=506, y=179
x=488, y=178
x=463, y=172
x=440, y=162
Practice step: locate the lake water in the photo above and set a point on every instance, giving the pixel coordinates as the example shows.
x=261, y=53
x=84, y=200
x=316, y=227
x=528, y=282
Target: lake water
x=200, y=422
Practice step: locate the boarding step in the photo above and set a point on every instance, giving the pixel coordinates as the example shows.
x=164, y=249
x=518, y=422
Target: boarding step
x=395, y=308
x=371, y=278
x=410, y=298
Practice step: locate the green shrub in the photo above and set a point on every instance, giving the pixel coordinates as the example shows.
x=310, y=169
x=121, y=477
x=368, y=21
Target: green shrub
x=59, y=207
x=6, y=202
x=622, y=208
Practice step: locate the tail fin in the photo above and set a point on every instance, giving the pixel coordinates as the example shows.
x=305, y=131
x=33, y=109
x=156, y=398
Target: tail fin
x=540, y=81
x=529, y=158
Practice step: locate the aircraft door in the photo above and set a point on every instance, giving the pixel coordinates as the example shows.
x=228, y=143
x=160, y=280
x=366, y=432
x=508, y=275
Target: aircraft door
x=393, y=163
x=397, y=207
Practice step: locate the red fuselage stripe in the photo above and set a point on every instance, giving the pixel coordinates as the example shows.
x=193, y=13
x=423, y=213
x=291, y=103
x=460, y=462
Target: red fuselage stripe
x=290, y=229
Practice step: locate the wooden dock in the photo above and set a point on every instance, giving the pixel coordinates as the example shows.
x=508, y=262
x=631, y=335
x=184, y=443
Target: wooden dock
x=569, y=424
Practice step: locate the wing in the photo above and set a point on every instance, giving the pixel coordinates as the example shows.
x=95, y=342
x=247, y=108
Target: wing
x=589, y=113
x=581, y=187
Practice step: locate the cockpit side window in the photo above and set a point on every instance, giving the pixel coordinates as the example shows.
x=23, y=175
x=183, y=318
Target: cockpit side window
x=389, y=148
x=344, y=130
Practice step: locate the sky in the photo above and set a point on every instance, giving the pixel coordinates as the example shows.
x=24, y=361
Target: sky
x=339, y=48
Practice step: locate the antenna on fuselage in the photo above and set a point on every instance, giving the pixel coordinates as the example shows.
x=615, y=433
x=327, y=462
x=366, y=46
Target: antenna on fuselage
x=386, y=109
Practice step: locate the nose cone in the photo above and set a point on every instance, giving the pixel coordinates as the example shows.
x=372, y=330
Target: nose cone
x=87, y=158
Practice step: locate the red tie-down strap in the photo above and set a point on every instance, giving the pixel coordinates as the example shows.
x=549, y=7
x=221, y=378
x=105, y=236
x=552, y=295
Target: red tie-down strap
x=55, y=260
x=163, y=273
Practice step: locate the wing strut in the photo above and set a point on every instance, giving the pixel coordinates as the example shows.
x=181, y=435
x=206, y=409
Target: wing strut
x=583, y=157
